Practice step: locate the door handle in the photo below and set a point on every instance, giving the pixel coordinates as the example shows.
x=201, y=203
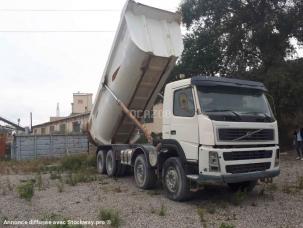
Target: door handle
x=173, y=132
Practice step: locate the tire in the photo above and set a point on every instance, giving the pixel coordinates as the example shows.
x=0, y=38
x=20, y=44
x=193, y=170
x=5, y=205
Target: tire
x=145, y=176
x=101, y=162
x=246, y=186
x=111, y=164
x=175, y=182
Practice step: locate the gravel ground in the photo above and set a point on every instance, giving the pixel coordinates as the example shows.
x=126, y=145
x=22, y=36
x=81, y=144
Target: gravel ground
x=275, y=205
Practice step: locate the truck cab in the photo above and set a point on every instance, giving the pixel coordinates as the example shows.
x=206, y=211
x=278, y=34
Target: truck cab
x=222, y=127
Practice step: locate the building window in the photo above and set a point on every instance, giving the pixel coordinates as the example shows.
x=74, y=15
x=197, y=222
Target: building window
x=76, y=127
x=51, y=129
x=62, y=128
x=35, y=131
x=80, y=101
x=43, y=130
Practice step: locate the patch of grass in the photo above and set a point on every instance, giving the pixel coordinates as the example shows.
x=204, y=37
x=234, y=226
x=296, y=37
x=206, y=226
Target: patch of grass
x=289, y=189
x=6, y=187
x=201, y=213
x=211, y=209
x=222, y=204
x=112, y=215
x=26, y=190
x=271, y=187
x=39, y=181
x=80, y=177
x=153, y=210
x=2, y=219
x=300, y=182
x=60, y=186
x=117, y=189
x=9, y=185
x=226, y=225
x=238, y=198
x=32, y=166
x=55, y=175
x=153, y=192
x=72, y=163
x=58, y=218
x=162, y=211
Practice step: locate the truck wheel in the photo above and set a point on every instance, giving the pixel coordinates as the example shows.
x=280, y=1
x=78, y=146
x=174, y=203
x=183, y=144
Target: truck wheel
x=101, y=161
x=246, y=186
x=111, y=164
x=145, y=176
x=174, y=180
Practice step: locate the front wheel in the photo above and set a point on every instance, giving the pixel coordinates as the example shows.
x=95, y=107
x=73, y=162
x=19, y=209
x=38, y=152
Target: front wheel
x=145, y=176
x=174, y=179
x=246, y=186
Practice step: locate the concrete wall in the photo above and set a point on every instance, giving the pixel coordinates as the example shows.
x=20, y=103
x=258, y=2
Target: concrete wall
x=35, y=147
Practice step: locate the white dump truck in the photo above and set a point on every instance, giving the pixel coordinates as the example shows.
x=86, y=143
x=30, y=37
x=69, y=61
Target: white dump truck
x=214, y=130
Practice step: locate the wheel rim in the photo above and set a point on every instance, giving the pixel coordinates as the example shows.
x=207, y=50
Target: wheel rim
x=140, y=174
x=109, y=164
x=172, y=179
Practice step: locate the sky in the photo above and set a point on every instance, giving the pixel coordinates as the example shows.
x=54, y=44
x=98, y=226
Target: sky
x=40, y=69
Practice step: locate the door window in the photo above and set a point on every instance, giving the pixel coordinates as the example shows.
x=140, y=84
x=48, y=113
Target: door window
x=184, y=103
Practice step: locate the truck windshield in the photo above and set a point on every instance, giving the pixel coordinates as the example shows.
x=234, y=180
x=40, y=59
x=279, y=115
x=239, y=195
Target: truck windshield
x=238, y=101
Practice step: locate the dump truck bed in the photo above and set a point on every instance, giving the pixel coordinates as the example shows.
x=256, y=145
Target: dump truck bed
x=145, y=49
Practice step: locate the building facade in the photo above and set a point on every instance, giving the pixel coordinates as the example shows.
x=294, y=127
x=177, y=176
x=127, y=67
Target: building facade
x=82, y=103
x=68, y=125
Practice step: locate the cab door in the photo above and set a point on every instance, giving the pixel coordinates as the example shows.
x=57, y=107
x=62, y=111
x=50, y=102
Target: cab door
x=184, y=122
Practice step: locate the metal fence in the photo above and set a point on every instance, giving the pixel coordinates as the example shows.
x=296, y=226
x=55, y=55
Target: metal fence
x=27, y=147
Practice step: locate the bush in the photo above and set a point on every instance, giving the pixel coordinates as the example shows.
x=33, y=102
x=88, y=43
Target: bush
x=26, y=190
x=112, y=215
x=162, y=211
x=201, y=213
x=72, y=163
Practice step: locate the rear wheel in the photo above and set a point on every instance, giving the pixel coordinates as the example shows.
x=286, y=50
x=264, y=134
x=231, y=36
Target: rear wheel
x=145, y=176
x=111, y=164
x=101, y=162
x=174, y=180
x=246, y=186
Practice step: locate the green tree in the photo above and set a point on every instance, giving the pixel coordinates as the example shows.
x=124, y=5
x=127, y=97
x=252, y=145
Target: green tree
x=240, y=35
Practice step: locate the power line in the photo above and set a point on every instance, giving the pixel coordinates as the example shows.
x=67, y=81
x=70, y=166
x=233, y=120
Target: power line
x=56, y=31
x=59, y=10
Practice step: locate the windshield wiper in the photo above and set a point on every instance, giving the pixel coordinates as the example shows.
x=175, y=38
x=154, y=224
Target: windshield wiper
x=266, y=116
x=225, y=110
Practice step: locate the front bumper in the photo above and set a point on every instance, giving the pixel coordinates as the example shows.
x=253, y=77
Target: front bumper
x=234, y=178
x=228, y=176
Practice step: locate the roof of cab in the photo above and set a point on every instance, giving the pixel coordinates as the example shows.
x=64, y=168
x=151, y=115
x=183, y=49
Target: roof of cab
x=231, y=82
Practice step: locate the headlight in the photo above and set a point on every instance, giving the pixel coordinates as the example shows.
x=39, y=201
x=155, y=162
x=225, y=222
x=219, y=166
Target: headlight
x=277, y=159
x=214, y=165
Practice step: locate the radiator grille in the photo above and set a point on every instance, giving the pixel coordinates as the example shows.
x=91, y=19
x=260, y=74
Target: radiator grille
x=245, y=155
x=247, y=168
x=234, y=134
